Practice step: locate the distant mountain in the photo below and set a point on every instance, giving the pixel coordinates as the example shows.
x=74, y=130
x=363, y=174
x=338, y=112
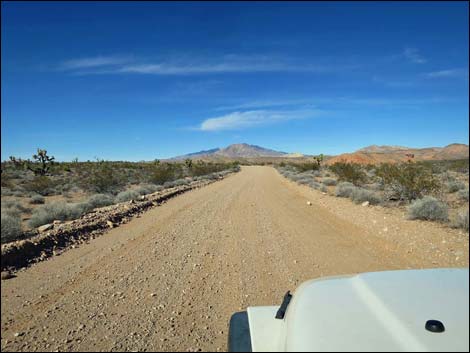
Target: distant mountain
x=381, y=149
x=197, y=154
x=368, y=155
x=393, y=154
x=239, y=150
x=243, y=150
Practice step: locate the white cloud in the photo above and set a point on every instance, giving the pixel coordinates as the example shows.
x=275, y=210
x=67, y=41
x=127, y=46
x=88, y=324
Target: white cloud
x=240, y=120
x=413, y=55
x=194, y=66
x=268, y=103
x=450, y=73
x=94, y=62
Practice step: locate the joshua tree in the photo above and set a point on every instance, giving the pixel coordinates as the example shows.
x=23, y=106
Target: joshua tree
x=189, y=163
x=318, y=159
x=44, y=161
x=40, y=158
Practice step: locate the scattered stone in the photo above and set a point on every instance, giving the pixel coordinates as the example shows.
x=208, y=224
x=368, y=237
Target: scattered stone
x=6, y=275
x=365, y=203
x=110, y=224
x=309, y=203
x=57, y=222
x=45, y=227
x=18, y=334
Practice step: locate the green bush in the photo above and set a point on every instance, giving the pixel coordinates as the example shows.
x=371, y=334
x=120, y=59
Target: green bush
x=11, y=227
x=304, y=167
x=57, y=211
x=99, y=200
x=165, y=172
x=329, y=181
x=407, y=181
x=350, y=172
x=13, y=207
x=344, y=189
x=145, y=189
x=454, y=186
x=360, y=195
x=463, y=194
x=127, y=196
x=428, y=208
x=103, y=178
x=36, y=199
x=42, y=185
x=461, y=221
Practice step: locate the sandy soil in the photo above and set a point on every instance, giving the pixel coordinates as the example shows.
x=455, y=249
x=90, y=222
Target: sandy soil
x=170, y=279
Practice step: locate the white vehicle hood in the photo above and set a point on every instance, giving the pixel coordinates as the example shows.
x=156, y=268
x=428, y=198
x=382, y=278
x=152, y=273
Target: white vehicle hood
x=377, y=311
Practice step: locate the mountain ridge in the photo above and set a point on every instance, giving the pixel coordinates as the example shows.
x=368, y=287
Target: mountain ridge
x=372, y=154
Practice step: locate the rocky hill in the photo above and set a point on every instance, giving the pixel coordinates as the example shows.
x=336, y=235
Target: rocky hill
x=239, y=150
x=393, y=154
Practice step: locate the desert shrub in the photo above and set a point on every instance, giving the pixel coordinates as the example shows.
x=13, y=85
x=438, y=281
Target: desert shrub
x=461, y=221
x=103, y=178
x=37, y=199
x=13, y=207
x=428, y=208
x=166, y=172
x=99, y=200
x=323, y=188
x=463, y=194
x=11, y=227
x=127, y=196
x=57, y=211
x=350, y=172
x=170, y=184
x=212, y=176
x=7, y=192
x=375, y=186
x=360, y=195
x=344, y=189
x=304, y=180
x=407, y=181
x=42, y=185
x=329, y=181
x=145, y=189
x=74, y=189
x=454, y=186
x=19, y=193
x=180, y=182
x=303, y=167
x=314, y=184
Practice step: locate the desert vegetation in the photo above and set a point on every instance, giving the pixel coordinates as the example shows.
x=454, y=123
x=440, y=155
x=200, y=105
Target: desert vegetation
x=40, y=191
x=426, y=190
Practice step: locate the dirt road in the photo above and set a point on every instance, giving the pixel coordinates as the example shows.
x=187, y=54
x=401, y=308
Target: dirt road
x=170, y=279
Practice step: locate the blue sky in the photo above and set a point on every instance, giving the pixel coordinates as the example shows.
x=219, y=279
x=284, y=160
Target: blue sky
x=145, y=80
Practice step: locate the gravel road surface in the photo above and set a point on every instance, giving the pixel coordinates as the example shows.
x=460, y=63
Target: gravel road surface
x=170, y=279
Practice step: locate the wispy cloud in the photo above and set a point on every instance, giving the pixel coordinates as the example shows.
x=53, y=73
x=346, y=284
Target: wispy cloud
x=94, y=62
x=449, y=73
x=268, y=103
x=252, y=118
x=413, y=55
x=333, y=102
x=194, y=66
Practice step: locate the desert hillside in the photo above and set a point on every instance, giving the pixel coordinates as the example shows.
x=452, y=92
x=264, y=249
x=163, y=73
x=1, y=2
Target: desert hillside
x=394, y=154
